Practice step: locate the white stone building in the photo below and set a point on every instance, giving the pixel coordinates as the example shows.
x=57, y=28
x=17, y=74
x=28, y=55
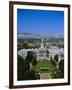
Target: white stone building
x=43, y=52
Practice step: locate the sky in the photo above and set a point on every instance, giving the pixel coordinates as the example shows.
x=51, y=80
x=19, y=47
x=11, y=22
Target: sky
x=40, y=21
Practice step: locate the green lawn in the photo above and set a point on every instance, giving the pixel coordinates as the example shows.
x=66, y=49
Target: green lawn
x=44, y=64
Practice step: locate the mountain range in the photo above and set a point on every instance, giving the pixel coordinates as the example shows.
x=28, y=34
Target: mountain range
x=37, y=36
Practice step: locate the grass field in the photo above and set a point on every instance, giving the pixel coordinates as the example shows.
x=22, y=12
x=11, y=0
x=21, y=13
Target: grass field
x=44, y=66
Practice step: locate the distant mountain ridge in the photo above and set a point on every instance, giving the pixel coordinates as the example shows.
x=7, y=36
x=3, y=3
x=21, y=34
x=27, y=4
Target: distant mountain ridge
x=36, y=36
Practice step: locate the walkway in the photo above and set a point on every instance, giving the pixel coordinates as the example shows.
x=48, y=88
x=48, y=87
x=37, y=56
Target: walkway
x=45, y=76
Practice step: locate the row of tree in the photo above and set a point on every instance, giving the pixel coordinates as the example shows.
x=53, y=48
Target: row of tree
x=24, y=67
x=26, y=72
x=59, y=73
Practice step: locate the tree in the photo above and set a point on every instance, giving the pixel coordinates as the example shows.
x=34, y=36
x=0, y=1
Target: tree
x=52, y=61
x=29, y=56
x=47, y=53
x=56, y=61
x=60, y=71
x=56, y=58
x=23, y=70
x=61, y=68
x=22, y=67
x=34, y=61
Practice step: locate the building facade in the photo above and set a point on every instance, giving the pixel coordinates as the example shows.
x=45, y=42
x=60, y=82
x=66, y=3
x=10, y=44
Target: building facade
x=43, y=52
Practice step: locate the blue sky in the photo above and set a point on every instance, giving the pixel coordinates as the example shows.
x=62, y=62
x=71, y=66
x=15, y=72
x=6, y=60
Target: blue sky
x=40, y=21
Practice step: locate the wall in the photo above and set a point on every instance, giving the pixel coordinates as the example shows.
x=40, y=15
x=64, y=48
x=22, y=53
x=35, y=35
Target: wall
x=4, y=45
